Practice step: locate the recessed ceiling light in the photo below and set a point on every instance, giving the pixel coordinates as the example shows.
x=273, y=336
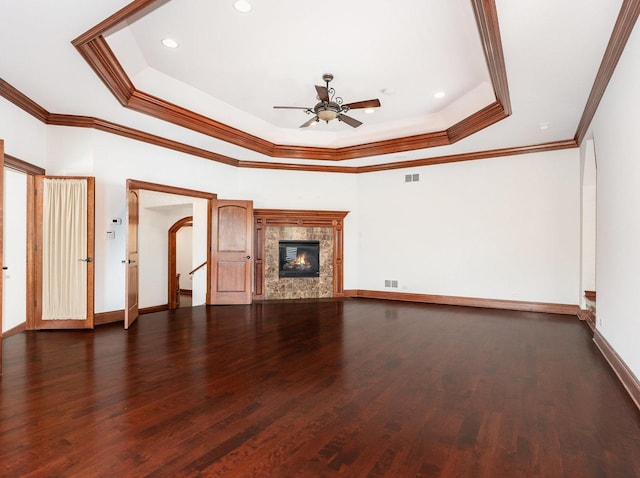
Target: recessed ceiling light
x=369, y=111
x=439, y=94
x=243, y=6
x=170, y=43
x=543, y=126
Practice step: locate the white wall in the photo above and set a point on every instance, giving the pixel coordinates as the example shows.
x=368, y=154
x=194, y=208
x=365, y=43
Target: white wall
x=589, y=205
x=184, y=248
x=24, y=136
x=308, y=190
x=505, y=228
x=15, y=249
x=117, y=159
x=617, y=145
x=200, y=234
x=157, y=213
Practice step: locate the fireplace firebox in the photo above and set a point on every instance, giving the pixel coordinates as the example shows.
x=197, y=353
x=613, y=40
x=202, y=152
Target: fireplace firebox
x=299, y=259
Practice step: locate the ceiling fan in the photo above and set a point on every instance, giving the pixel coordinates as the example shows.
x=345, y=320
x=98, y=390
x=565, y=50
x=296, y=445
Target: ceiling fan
x=331, y=107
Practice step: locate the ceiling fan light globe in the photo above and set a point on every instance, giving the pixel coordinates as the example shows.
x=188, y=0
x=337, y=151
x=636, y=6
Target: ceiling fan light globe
x=327, y=115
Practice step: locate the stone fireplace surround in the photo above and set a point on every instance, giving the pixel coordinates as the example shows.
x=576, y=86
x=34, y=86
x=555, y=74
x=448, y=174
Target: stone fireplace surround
x=276, y=287
x=273, y=225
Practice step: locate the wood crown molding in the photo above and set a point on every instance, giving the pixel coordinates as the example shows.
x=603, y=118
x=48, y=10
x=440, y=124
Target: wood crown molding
x=489, y=29
x=544, y=307
x=95, y=50
x=627, y=17
x=137, y=135
x=629, y=381
x=22, y=101
x=623, y=27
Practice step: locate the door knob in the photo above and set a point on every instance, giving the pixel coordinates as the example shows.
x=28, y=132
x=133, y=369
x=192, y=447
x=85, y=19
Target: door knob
x=248, y=257
x=88, y=259
x=4, y=268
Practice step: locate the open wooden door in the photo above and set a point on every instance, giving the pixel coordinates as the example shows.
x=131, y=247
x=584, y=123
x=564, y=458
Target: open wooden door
x=131, y=281
x=232, y=239
x=64, y=252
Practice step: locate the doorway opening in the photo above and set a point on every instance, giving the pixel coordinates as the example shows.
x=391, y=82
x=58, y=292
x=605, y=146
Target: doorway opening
x=160, y=208
x=180, y=261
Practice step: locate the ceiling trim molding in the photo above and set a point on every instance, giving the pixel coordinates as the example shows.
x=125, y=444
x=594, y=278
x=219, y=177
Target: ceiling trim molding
x=135, y=134
x=55, y=119
x=22, y=101
x=136, y=7
x=472, y=156
x=489, y=29
x=95, y=50
x=485, y=117
x=621, y=31
x=99, y=55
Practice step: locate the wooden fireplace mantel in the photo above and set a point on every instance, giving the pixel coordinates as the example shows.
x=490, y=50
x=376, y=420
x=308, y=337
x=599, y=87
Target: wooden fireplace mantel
x=263, y=218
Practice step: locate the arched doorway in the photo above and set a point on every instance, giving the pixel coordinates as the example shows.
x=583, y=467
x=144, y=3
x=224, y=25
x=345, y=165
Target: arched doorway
x=176, y=272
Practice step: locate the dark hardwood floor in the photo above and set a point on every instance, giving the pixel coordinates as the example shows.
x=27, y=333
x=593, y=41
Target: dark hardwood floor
x=356, y=388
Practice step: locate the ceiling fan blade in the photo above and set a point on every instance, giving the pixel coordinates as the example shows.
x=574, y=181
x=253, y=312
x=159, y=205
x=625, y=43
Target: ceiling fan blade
x=308, y=123
x=291, y=108
x=364, y=104
x=349, y=120
x=323, y=93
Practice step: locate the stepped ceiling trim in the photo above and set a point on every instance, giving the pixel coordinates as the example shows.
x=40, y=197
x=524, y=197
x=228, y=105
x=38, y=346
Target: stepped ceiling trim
x=95, y=50
x=625, y=23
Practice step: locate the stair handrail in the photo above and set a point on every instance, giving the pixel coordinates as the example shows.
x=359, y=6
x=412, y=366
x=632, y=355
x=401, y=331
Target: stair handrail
x=201, y=265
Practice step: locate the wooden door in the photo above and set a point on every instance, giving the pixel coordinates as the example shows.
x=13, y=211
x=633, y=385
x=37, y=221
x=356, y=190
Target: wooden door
x=232, y=234
x=131, y=280
x=54, y=249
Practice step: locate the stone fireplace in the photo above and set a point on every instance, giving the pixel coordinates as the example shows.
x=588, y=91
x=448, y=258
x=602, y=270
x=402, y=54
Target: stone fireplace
x=276, y=226
x=298, y=287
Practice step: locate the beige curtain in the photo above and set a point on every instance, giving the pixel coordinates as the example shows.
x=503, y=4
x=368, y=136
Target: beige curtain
x=64, y=281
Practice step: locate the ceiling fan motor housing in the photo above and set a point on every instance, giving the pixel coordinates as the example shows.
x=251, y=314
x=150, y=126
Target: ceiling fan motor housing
x=327, y=111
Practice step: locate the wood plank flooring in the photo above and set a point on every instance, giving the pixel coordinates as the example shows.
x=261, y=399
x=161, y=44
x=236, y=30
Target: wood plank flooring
x=355, y=388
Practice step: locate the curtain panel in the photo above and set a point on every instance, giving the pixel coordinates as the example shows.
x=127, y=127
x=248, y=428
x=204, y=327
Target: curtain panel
x=64, y=281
